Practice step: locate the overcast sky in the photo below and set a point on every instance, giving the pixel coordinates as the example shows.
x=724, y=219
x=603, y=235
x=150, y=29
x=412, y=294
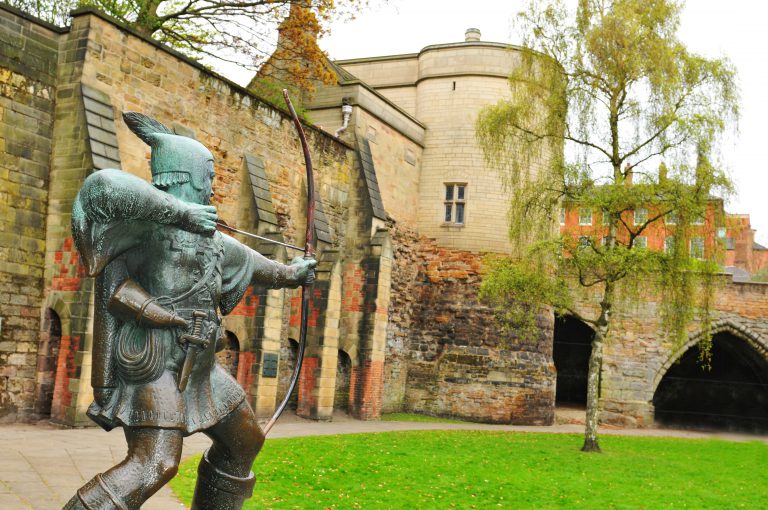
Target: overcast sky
x=713, y=28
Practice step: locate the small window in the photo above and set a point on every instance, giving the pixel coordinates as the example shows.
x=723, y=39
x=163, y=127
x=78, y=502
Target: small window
x=697, y=247
x=455, y=203
x=584, y=242
x=585, y=216
x=640, y=242
x=606, y=217
x=641, y=216
x=698, y=220
x=562, y=216
x=721, y=233
x=671, y=218
x=604, y=240
x=669, y=244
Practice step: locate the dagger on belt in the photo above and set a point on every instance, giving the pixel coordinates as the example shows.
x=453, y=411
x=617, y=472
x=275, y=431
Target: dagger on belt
x=195, y=343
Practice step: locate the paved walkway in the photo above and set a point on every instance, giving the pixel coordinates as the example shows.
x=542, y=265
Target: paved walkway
x=41, y=466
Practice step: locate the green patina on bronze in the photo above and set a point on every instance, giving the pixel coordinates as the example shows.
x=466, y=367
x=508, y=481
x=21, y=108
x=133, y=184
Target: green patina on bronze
x=164, y=274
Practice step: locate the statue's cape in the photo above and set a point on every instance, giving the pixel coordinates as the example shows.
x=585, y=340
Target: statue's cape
x=100, y=243
x=111, y=214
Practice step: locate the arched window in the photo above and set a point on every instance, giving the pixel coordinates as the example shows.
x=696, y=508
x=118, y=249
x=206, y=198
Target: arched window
x=343, y=374
x=228, y=352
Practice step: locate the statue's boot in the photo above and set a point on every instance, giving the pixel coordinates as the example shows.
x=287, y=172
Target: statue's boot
x=95, y=495
x=217, y=490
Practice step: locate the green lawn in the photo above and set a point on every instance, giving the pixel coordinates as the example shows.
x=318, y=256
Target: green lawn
x=484, y=470
x=419, y=418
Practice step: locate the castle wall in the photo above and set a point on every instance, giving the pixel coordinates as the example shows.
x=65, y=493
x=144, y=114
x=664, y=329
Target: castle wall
x=95, y=70
x=393, y=77
x=28, y=60
x=383, y=72
x=446, y=355
x=397, y=160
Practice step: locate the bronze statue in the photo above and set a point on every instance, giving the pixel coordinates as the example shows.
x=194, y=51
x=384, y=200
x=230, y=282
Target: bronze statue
x=163, y=273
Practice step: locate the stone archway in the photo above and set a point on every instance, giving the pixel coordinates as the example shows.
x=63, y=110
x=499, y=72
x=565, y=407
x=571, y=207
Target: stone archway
x=228, y=352
x=571, y=348
x=47, y=362
x=731, y=393
x=343, y=375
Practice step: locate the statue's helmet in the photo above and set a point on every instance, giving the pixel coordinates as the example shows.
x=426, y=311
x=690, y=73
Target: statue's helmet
x=175, y=159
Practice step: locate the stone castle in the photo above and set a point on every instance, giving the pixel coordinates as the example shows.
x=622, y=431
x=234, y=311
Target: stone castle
x=406, y=209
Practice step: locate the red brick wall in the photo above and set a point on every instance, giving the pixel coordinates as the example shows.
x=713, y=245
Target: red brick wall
x=65, y=370
x=447, y=351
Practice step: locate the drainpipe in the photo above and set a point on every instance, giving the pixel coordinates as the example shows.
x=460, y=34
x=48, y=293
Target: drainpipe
x=346, y=112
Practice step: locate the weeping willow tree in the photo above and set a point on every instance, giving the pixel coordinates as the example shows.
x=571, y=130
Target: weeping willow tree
x=628, y=120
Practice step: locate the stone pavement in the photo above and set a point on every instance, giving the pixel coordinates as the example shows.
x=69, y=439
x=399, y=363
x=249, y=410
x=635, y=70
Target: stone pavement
x=41, y=466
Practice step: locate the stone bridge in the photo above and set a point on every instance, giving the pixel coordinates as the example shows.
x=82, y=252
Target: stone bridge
x=647, y=378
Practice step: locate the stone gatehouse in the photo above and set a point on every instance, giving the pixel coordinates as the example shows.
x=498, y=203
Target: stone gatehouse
x=406, y=209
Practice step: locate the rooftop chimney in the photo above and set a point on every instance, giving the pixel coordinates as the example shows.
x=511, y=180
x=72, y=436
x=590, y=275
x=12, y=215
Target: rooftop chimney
x=472, y=34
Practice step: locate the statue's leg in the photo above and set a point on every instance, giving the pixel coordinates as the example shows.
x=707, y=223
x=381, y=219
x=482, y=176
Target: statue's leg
x=224, y=477
x=152, y=460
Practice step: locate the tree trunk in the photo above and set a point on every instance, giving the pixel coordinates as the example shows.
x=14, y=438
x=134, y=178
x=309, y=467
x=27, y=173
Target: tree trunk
x=595, y=367
x=146, y=19
x=593, y=390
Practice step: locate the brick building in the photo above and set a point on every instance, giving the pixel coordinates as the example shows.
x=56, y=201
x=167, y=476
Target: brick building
x=742, y=251
x=406, y=209
x=729, y=238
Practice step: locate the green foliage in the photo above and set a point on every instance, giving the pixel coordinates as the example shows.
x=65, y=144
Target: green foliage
x=760, y=276
x=637, y=116
x=519, y=291
x=472, y=469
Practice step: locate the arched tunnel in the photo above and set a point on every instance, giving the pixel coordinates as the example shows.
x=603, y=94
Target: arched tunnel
x=572, y=345
x=729, y=394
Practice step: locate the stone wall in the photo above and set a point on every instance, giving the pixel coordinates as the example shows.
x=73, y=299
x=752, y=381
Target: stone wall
x=448, y=354
x=28, y=60
x=397, y=161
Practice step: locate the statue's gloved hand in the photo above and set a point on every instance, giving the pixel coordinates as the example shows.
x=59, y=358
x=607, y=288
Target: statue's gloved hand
x=102, y=396
x=305, y=270
x=200, y=219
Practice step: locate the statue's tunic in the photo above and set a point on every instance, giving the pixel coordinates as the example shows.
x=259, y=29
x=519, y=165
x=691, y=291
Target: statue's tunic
x=185, y=272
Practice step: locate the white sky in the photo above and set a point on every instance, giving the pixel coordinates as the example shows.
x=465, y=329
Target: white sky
x=712, y=28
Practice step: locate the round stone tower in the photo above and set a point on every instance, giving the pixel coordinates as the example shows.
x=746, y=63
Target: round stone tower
x=455, y=81
x=461, y=200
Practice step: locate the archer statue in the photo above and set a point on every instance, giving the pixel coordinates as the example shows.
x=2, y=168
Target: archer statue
x=164, y=274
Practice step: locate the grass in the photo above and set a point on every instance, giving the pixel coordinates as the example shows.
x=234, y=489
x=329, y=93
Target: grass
x=419, y=418
x=484, y=470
